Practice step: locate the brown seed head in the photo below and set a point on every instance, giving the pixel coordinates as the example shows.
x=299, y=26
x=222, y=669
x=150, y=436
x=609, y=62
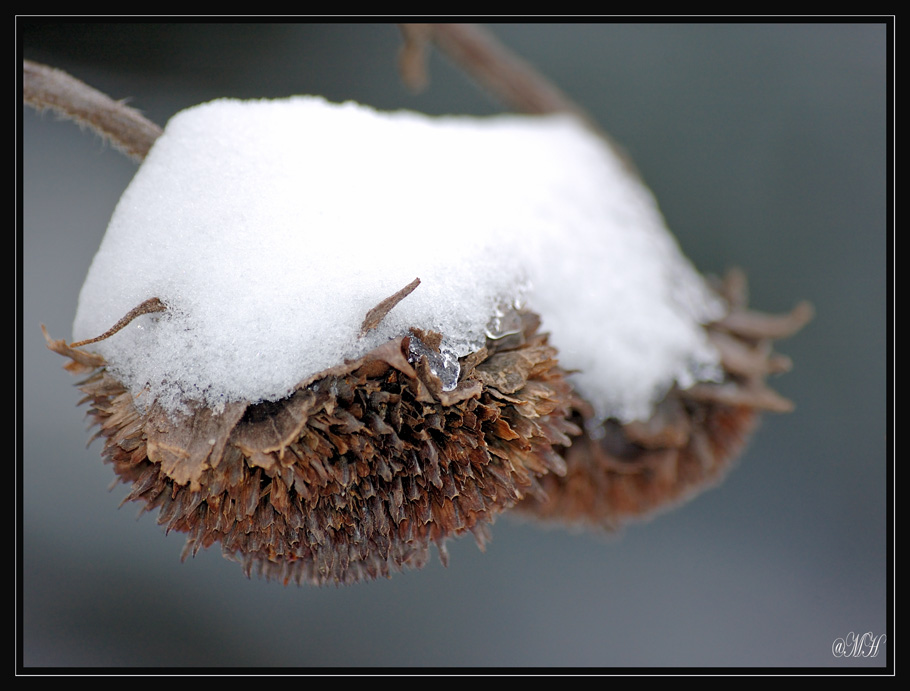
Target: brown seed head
x=366, y=465
x=618, y=472
x=358, y=472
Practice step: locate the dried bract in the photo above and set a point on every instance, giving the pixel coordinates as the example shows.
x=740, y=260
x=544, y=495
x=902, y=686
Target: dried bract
x=617, y=472
x=358, y=472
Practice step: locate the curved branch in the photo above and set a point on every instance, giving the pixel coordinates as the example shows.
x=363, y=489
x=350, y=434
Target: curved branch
x=491, y=64
x=472, y=48
x=126, y=128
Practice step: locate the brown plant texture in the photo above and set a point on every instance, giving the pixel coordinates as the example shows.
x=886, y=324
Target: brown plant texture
x=617, y=472
x=357, y=473
x=366, y=466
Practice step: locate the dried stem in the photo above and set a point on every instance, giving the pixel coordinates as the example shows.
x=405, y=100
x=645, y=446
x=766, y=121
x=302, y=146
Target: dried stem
x=126, y=128
x=472, y=48
x=497, y=69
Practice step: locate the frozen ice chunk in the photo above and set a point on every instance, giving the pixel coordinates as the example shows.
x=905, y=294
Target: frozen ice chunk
x=443, y=364
x=504, y=322
x=271, y=228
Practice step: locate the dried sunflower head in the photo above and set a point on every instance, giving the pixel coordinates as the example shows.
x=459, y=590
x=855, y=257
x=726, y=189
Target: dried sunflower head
x=356, y=473
x=366, y=465
x=620, y=471
x=413, y=438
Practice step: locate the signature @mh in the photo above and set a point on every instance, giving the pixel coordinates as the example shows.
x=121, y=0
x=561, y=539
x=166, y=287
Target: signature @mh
x=865, y=645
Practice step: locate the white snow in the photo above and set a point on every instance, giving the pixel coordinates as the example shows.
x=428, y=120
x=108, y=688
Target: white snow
x=270, y=229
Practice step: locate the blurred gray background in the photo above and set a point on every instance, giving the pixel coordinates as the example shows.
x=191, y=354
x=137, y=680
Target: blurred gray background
x=766, y=147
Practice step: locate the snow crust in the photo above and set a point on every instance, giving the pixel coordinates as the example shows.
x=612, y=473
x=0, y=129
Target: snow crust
x=271, y=228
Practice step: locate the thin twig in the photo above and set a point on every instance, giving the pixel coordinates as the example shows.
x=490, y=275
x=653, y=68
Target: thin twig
x=491, y=64
x=126, y=128
x=513, y=81
x=412, y=58
x=472, y=48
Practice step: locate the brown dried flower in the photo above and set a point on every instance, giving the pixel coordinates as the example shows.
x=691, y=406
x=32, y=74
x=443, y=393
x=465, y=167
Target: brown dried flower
x=356, y=473
x=616, y=472
x=367, y=464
